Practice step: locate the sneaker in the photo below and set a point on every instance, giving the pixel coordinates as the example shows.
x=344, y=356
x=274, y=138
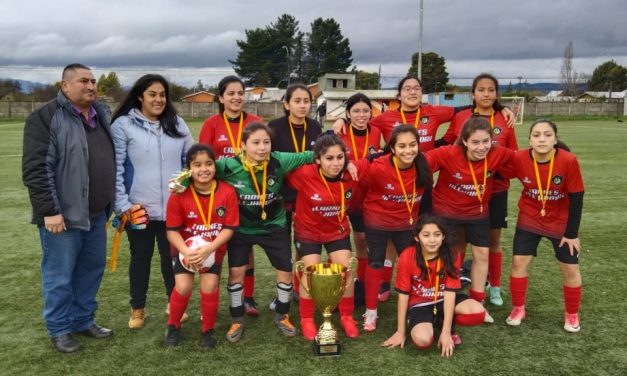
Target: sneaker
x=517, y=316
x=184, y=318
x=250, y=307
x=385, y=290
x=285, y=326
x=235, y=331
x=207, y=342
x=370, y=320
x=571, y=322
x=138, y=315
x=495, y=295
x=457, y=340
x=172, y=336
x=350, y=326
x=309, y=329
x=488, y=319
x=272, y=305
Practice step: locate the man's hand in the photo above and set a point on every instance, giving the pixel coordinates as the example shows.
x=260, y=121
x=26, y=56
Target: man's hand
x=55, y=224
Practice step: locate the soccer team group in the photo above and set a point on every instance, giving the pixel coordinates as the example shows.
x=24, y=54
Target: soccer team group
x=255, y=184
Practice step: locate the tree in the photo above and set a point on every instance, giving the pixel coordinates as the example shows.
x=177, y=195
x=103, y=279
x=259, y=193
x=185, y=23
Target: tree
x=366, y=80
x=568, y=76
x=110, y=86
x=434, y=74
x=46, y=92
x=262, y=60
x=327, y=49
x=608, y=76
x=10, y=87
x=177, y=91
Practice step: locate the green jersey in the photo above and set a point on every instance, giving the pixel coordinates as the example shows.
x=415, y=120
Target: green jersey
x=233, y=172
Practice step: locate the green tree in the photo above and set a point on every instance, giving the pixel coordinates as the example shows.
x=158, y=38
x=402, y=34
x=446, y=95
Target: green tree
x=608, y=76
x=262, y=58
x=109, y=85
x=177, y=91
x=366, y=80
x=46, y=92
x=434, y=74
x=10, y=88
x=328, y=51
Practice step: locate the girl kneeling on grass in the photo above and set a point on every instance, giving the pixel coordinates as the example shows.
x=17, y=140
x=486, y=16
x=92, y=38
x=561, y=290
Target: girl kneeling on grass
x=550, y=206
x=427, y=281
x=208, y=208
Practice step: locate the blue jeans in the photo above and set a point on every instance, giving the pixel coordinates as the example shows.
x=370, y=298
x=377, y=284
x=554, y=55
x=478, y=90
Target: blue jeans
x=71, y=271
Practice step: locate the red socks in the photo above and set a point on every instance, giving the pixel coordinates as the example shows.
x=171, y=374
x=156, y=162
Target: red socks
x=373, y=281
x=572, y=298
x=362, y=263
x=306, y=307
x=178, y=305
x=495, y=265
x=249, y=283
x=209, y=309
x=518, y=290
x=347, y=306
x=470, y=319
x=477, y=295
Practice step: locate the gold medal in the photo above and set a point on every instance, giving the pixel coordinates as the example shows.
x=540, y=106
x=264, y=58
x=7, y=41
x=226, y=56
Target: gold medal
x=435, y=310
x=542, y=212
x=541, y=193
x=342, y=214
x=411, y=221
x=261, y=193
x=263, y=215
x=479, y=189
x=410, y=207
x=435, y=284
x=342, y=229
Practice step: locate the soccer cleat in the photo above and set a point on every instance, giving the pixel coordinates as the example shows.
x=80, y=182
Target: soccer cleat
x=250, y=307
x=285, y=326
x=309, y=329
x=235, y=331
x=184, y=318
x=207, y=342
x=172, y=336
x=494, y=294
x=138, y=316
x=385, y=291
x=571, y=322
x=370, y=320
x=457, y=340
x=488, y=319
x=516, y=316
x=350, y=326
x=272, y=305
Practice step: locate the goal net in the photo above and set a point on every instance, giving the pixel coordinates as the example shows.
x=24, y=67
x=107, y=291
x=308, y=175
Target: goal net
x=517, y=105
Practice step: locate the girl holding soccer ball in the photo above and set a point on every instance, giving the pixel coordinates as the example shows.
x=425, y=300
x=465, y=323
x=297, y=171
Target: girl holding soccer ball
x=207, y=209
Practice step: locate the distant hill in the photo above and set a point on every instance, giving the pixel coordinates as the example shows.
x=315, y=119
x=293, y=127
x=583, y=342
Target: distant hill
x=29, y=86
x=540, y=86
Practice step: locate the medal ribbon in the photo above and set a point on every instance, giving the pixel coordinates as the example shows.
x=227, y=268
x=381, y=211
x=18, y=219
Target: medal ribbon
x=355, y=146
x=302, y=147
x=543, y=196
x=436, y=286
x=260, y=193
x=206, y=220
x=415, y=121
x=478, y=190
x=341, y=214
x=410, y=208
x=491, y=118
x=239, y=131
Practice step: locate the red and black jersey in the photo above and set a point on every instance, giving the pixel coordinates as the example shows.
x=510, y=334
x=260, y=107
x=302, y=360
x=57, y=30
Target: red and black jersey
x=454, y=195
x=384, y=205
x=183, y=214
x=316, y=218
x=502, y=135
x=421, y=290
x=565, y=179
x=430, y=119
x=366, y=141
x=215, y=134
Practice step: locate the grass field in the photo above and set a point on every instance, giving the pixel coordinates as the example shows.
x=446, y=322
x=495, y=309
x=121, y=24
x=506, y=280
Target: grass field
x=538, y=346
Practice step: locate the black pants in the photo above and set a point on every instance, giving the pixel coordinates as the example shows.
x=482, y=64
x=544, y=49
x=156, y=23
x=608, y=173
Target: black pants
x=142, y=244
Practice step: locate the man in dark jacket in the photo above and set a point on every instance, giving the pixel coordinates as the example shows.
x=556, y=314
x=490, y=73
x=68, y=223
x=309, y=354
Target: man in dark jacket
x=69, y=169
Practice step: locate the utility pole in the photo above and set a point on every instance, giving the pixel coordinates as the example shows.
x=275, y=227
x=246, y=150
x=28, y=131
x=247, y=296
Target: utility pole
x=287, y=50
x=420, y=43
x=379, y=86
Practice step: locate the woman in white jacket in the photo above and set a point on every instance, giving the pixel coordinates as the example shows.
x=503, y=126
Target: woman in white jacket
x=150, y=143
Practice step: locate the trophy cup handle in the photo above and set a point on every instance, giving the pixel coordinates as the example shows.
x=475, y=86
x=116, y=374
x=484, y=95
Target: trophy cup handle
x=299, y=268
x=351, y=271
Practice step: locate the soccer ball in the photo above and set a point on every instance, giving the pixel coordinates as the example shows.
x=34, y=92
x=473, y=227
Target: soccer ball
x=193, y=243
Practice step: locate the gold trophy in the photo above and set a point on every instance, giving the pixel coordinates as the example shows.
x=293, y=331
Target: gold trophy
x=326, y=283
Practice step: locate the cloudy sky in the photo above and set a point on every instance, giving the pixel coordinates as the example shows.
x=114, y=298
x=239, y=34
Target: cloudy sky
x=193, y=39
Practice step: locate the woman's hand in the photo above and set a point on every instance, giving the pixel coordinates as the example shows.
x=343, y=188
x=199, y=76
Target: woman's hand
x=573, y=245
x=445, y=343
x=397, y=339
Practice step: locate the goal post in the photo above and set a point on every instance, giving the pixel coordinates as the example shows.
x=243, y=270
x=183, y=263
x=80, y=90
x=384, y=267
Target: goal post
x=517, y=105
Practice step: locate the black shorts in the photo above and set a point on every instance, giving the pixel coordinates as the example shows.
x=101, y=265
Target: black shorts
x=424, y=313
x=306, y=248
x=357, y=221
x=498, y=210
x=377, y=241
x=476, y=232
x=215, y=269
x=276, y=245
x=526, y=244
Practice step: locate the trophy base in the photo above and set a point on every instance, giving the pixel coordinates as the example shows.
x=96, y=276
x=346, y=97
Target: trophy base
x=330, y=349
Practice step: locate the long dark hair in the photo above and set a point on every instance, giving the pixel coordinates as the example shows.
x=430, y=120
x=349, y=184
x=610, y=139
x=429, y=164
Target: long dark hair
x=472, y=125
x=224, y=82
x=497, y=106
x=560, y=144
x=325, y=141
x=423, y=176
x=447, y=252
x=290, y=91
x=357, y=98
x=197, y=149
x=168, y=119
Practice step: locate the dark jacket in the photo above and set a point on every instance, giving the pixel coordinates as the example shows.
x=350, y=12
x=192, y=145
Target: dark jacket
x=55, y=162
